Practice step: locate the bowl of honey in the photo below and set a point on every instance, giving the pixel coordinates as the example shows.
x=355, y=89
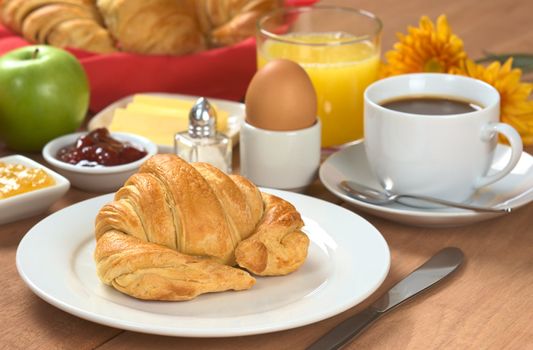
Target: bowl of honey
x=27, y=188
x=98, y=161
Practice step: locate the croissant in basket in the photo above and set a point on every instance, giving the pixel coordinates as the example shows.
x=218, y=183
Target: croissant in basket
x=170, y=27
x=62, y=23
x=175, y=230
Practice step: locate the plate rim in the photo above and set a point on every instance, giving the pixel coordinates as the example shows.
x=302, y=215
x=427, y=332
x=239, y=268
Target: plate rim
x=209, y=331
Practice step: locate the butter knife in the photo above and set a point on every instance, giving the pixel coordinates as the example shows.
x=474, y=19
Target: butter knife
x=432, y=271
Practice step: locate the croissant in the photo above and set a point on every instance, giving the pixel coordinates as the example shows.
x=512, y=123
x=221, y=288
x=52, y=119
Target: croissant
x=170, y=27
x=62, y=23
x=175, y=230
x=155, y=27
x=153, y=272
x=226, y=22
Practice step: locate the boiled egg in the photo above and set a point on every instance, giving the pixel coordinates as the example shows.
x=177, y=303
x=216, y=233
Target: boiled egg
x=281, y=97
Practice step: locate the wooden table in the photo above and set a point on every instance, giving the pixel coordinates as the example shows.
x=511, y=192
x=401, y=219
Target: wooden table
x=488, y=304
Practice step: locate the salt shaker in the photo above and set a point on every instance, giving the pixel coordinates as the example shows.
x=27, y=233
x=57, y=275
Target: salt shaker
x=201, y=142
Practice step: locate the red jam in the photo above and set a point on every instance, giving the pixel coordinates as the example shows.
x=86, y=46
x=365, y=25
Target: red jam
x=99, y=148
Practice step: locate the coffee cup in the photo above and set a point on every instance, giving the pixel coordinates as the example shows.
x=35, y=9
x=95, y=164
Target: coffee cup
x=431, y=148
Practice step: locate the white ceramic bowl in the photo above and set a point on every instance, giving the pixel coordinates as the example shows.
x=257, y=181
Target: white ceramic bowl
x=97, y=179
x=34, y=202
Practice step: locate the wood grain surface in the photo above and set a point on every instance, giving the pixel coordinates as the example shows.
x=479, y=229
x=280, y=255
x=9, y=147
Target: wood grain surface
x=488, y=304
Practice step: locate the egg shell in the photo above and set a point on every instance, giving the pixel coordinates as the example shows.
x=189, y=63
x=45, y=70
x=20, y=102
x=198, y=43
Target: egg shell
x=281, y=97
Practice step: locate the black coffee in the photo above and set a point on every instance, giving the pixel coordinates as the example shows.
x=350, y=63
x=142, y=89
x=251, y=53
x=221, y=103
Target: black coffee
x=430, y=105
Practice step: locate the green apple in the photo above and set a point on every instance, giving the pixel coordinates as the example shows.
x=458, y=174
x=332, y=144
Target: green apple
x=44, y=93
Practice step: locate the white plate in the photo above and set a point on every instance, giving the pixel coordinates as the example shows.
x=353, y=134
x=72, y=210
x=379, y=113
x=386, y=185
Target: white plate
x=235, y=118
x=34, y=202
x=348, y=260
x=514, y=190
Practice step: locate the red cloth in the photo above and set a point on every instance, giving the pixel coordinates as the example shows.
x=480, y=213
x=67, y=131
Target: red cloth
x=220, y=73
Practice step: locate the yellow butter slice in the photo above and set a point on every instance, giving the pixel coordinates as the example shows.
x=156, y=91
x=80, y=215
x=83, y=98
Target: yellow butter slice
x=158, y=110
x=158, y=118
x=158, y=128
x=168, y=105
x=166, y=102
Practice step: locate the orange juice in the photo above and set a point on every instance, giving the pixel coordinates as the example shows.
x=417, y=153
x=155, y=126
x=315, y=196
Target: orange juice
x=340, y=67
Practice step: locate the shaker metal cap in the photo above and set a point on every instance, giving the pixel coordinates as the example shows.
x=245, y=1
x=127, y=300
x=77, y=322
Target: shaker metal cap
x=202, y=119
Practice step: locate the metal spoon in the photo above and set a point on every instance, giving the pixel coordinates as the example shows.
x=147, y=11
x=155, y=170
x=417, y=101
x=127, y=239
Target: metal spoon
x=373, y=196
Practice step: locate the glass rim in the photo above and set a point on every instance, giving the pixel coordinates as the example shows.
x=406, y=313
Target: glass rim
x=304, y=9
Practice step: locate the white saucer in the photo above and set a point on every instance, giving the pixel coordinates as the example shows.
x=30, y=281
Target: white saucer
x=514, y=190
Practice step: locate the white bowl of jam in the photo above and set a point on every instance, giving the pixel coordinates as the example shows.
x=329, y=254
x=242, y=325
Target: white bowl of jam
x=27, y=188
x=98, y=161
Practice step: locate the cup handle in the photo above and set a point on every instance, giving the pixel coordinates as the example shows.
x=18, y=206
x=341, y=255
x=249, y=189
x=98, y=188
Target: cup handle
x=490, y=131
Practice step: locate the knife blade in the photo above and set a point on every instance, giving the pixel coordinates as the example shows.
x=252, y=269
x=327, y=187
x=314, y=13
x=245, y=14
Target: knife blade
x=432, y=271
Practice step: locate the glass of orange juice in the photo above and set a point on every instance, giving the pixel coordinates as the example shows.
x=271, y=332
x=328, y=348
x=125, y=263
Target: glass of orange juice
x=339, y=48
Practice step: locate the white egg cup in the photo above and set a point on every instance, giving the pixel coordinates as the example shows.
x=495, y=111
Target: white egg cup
x=280, y=159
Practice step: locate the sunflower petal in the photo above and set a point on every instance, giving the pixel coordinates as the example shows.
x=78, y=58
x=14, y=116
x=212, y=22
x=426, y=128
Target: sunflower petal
x=428, y=47
x=516, y=106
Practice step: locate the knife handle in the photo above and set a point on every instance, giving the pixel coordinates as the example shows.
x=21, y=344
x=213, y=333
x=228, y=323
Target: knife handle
x=346, y=330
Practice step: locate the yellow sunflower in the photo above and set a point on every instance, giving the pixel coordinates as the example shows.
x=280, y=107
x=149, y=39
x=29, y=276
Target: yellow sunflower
x=516, y=107
x=427, y=48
